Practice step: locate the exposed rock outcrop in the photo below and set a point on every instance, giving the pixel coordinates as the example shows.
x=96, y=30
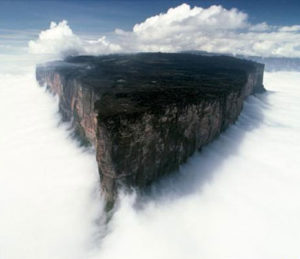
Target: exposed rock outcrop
x=145, y=114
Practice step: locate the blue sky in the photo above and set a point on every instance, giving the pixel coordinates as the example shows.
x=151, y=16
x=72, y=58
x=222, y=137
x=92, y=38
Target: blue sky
x=92, y=16
x=21, y=21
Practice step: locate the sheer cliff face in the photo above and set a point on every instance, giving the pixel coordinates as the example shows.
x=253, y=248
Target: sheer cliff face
x=76, y=104
x=146, y=114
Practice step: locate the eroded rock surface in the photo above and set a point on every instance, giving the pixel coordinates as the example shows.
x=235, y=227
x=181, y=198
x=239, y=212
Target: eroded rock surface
x=146, y=113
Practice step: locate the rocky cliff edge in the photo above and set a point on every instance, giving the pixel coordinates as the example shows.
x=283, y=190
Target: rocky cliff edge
x=146, y=113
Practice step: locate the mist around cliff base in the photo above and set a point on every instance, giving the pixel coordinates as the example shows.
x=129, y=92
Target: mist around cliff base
x=238, y=198
x=235, y=199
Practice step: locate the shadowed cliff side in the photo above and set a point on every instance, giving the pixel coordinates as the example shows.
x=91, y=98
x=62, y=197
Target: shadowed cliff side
x=146, y=113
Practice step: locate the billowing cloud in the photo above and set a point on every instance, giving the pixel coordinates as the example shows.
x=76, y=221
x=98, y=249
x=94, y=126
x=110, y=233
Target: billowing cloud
x=293, y=28
x=184, y=19
x=260, y=27
x=212, y=29
x=101, y=45
x=59, y=41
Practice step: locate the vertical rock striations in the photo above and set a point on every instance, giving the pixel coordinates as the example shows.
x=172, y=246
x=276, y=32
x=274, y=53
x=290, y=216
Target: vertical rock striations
x=145, y=114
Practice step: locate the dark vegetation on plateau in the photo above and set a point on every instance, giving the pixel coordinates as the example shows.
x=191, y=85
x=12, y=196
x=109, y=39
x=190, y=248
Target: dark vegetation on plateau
x=146, y=113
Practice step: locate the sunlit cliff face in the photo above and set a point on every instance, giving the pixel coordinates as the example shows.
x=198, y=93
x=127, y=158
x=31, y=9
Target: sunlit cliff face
x=235, y=199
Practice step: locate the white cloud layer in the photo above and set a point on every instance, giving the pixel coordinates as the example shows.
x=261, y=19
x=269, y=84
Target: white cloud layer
x=212, y=29
x=238, y=198
x=59, y=41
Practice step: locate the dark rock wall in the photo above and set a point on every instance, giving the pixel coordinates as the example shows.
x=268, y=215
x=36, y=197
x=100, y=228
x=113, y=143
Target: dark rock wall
x=134, y=149
x=76, y=103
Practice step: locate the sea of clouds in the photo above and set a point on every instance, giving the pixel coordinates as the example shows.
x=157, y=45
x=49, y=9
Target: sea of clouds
x=47, y=183
x=236, y=199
